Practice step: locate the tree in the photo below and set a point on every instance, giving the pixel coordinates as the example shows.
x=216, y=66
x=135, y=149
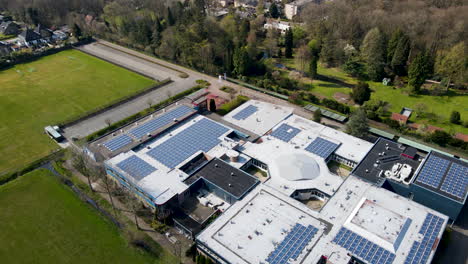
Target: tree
x=455, y=117
x=288, y=42
x=241, y=61
x=317, y=115
x=354, y=67
x=260, y=7
x=314, y=49
x=373, y=53
x=453, y=64
x=212, y=105
x=357, y=125
x=274, y=12
x=301, y=58
x=393, y=43
x=76, y=30
x=440, y=137
x=361, y=92
x=400, y=56
x=418, y=72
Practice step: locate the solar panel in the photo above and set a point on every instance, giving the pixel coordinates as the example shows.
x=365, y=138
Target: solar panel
x=160, y=121
x=293, y=244
x=430, y=229
x=136, y=167
x=246, y=112
x=322, y=147
x=285, y=132
x=362, y=248
x=202, y=135
x=456, y=181
x=433, y=171
x=117, y=142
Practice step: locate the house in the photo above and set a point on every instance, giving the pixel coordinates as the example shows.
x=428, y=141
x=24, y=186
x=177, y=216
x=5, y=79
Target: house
x=292, y=9
x=403, y=119
x=9, y=28
x=42, y=31
x=29, y=37
x=245, y=3
x=279, y=25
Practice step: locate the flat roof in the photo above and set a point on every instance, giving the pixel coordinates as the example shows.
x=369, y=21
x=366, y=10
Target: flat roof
x=257, y=116
x=226, y=177
x=384, y=228
x=251, y=230
x=383, y=156
x=350, y=147
x=172, y=149
x=444, y=175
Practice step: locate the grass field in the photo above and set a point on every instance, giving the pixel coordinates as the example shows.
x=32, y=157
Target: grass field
x=52, y=89
x=441, y=106
x=42, y=221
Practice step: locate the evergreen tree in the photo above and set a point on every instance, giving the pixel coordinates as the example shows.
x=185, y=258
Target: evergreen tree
x=212, y=105
x=288, y=42
x=361, y=93
x=241, y=61
x=170, y=17
x=357, y=125
x=455, y=117
x=317, y=115
x=274, y=12
x=373, y=53
x=76, y=31
x=418, y=72
x=393, y=43
x=400, y=56
x=313, y=66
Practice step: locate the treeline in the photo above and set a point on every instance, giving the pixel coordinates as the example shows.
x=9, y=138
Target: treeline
x=381, y=38
x=406, y=40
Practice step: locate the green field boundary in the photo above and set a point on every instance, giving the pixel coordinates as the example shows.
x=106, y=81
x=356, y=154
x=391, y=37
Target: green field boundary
x=113, y=104
x=8, y=176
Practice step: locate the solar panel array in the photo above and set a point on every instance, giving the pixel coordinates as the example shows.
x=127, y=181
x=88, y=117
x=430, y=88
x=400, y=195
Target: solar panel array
x=160, y=121
x=456, y=181
x=293, y=244
x=246, y=112
x=136, y=167
x=322, y=147
x=203, y=135
x=420, y=251
x=433, y=171
x=285, y=132
x=362, y=248
x=117, y=142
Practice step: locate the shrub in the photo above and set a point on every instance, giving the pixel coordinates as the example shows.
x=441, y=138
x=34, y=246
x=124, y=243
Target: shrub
x=229, y=106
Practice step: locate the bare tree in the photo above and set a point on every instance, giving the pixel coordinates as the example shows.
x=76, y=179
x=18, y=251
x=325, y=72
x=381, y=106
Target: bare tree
x=108, y=121
x=106, y=181
x=149, y=102
x=302, y=57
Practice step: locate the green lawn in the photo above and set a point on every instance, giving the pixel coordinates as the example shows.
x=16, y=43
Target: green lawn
x=52, y=89
x=5, y=37
x=442, y=106
x=42, y=221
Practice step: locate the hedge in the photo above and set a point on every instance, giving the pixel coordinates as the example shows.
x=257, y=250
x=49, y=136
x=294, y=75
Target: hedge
x=229, y=106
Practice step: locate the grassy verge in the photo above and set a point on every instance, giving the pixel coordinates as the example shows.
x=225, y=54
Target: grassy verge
x=57, y=227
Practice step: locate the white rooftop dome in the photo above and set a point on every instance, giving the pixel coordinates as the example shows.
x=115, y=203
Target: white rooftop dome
x=295, y=167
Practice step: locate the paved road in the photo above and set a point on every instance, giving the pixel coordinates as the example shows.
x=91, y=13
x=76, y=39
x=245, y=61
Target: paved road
x=159, y=69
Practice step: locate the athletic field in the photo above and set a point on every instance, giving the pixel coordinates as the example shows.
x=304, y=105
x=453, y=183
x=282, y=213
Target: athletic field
x=50, y=90
x=43, y=221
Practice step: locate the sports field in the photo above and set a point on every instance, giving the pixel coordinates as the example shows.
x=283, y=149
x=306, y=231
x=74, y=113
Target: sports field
x=50, y=90
x=42, y=221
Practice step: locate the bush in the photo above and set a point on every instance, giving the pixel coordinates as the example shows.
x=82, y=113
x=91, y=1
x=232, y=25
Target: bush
x=159, y=227
x=455, y=117
x=332, y=104
x=229, y=106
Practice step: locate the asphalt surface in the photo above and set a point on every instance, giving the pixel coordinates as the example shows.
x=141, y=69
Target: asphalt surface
x=120, y=112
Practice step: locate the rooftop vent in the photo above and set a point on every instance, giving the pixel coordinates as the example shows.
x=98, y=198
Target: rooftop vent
x=230, y=185
x=175, y=120
x=216, y=165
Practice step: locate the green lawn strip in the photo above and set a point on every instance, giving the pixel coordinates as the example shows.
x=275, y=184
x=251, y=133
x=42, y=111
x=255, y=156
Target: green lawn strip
x=44, y=222
x=50, y=90
x=6, y=37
